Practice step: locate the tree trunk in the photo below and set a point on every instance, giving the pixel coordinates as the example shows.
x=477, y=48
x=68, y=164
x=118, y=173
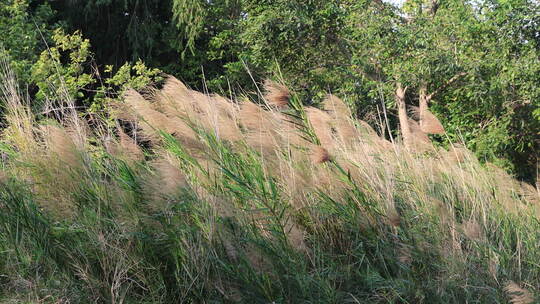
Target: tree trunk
x=423, y=104
x=403, y=117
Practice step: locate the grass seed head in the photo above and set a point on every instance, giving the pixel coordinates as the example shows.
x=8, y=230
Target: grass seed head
x=319, y=155
x=518, y=295
x=276, y=94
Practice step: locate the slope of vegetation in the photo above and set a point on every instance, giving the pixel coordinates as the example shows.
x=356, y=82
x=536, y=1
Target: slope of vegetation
x=184, y=197
x=477, y=61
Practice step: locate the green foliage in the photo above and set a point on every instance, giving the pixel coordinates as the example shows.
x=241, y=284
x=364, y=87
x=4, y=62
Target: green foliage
x=190, y=20
x=60, y=70
x=135, y=76
x=25, y=29
x=490, y=105
x=124, y=31
x=67, y=70
x=297, y=38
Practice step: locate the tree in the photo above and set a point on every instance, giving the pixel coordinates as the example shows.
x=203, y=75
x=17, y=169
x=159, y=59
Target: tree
x=67, y=71
x=25, y=26
x=481, y=86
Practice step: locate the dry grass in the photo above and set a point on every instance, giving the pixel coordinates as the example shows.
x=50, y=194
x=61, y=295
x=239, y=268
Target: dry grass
x=472, y=230
x=356, y=148
x=276, y=94
x=320, y=155
x=128, y=147
x=321, y=123
x=59, y=144
x=428, y=122
x=518, y=295
x=261, y=182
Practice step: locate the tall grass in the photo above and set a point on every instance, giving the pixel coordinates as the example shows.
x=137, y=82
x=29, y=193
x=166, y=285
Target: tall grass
x=193, y=198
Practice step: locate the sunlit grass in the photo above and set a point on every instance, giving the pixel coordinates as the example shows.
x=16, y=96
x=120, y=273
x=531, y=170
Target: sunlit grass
x=202, y=199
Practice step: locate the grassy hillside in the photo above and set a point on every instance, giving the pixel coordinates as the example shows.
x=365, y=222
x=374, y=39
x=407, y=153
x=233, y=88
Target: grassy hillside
x=191, y=198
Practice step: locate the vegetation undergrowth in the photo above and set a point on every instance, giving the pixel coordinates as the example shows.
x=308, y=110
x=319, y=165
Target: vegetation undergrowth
x=194, y=198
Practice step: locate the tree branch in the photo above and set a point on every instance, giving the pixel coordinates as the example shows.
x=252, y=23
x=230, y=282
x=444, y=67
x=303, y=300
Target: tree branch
x=434, y=7
x=445, y=85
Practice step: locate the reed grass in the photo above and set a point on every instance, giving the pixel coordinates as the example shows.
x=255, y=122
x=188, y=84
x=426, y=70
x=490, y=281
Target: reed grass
x=235, y=202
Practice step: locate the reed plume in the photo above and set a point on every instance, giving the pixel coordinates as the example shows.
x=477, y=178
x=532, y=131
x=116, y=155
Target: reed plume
x=341, y=121
x=169, y=180
x=18, y=115
x=295, y=236
x=254, y=118
x=276, y=94
x=518, y=295
x=321, y=123
x=127, y=147
x=429, y=123
x=295, y=206
x=59, y=143
x=150, y=120
x=336, y=105
x=319, y=155
x=457, y=154
x=472, y=230
x=419, y=140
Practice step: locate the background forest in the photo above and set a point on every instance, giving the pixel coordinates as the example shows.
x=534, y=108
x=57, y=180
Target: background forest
x=478, y=60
